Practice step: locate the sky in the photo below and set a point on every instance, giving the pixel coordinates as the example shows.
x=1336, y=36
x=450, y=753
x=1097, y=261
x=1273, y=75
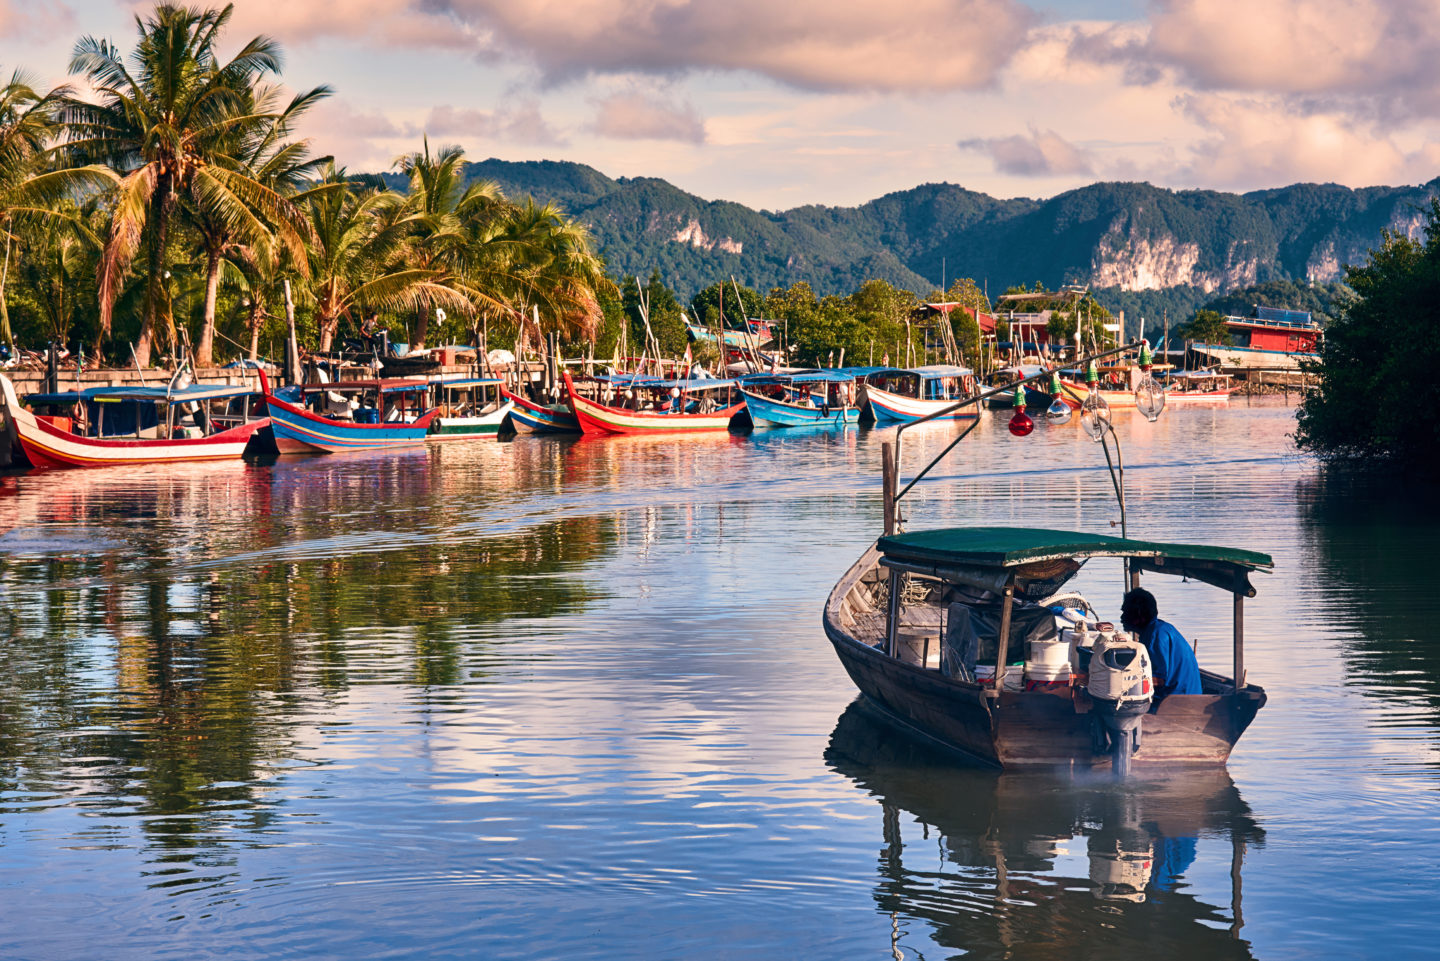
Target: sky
x=778, y=104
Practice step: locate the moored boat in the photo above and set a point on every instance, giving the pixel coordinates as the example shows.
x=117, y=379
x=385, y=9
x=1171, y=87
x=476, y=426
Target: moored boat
x=359, y=415
x=901, y=396
x=146, y=425
x=917, y=623
x=529, y=417
x=469, y=409
x=823, y=398
x=657, y=405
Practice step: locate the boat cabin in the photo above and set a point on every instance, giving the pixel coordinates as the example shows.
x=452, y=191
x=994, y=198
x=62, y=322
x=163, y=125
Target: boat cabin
x=935, y=382
x=363, y=401
x=659, y=395
x=149, y=413
x=966, y=635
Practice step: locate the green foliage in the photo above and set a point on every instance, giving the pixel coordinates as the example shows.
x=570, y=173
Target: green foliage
x=1379, y=360
x=1325, y=302
x=1206, y=327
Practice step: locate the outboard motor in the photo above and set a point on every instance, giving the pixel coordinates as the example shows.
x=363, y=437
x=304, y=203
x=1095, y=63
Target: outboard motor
x=1121, y=685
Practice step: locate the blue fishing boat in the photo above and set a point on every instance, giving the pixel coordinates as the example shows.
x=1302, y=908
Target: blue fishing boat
x=815, y=398
x=349, y=415
x=528, y=417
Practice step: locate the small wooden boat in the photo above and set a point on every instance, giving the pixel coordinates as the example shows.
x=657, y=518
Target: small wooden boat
x=529, y=417
x=898, y=396
x=905, y=617
x=357, y=415
x=1176, y=393
x=134, y=425
x=817, y=398
x=657, y=405
x=469, y=409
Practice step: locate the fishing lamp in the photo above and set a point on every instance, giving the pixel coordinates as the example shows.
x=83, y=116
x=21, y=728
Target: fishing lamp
x=1058, y=412
x=1020, y=424
x=674, y=391
x=1149, y=395
x=1094, y=413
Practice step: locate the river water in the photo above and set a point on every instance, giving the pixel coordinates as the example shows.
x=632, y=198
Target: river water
x=561, y=698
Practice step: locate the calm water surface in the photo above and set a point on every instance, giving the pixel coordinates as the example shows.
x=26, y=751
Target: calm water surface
x=558, y=698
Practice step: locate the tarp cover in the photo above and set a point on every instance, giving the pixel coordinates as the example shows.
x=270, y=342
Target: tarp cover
x=1014, y=546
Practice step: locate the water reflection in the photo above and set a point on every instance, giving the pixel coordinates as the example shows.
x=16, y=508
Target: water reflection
x=1373, y=551
x=168, y=641
x=1039, y=866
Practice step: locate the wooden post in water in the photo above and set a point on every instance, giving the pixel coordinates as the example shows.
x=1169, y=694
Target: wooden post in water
x=887, y=487
x=1239, y=665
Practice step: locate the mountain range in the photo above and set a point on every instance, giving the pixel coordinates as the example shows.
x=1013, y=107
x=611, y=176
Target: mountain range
x=1138, y=243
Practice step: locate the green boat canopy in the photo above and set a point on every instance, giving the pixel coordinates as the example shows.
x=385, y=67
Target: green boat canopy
x=1018, y=547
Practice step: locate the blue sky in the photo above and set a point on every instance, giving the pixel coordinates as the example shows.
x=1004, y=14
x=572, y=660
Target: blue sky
x=839, y=101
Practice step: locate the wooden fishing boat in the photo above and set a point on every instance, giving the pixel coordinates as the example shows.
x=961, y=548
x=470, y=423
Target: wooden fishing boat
x=908, y=614
x=528, y=417
x=817, y=398
x=900, y=396
x=358, y=415
x=659, y=405
x=134, y=425
x=469, y=408
x=1175, y=394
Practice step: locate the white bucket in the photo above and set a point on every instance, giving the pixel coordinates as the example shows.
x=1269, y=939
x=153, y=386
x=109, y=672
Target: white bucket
x=1048, y=657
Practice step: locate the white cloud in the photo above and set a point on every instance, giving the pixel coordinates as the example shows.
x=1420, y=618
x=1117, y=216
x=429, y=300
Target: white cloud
x=522, y=123
x=636, y=115
x=811, y=44
x=1252, y=142
x=1043, y=153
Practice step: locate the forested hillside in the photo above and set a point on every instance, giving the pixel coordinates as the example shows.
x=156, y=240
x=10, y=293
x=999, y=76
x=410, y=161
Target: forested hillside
x=1143, y=248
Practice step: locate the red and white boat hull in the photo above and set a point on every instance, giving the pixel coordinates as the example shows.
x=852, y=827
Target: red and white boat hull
x=46, y=445
x=597, y=418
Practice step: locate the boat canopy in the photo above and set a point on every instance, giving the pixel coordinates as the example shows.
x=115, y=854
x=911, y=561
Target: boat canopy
x=384, y=386
x=986, y=549
x=468, y=382
x=156, y=395
x=829, y=375
x=650, y=382
x=932, y=372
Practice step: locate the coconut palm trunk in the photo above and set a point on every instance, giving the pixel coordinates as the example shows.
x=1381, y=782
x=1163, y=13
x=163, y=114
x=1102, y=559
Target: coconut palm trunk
x=205, y=346
x=161, y=208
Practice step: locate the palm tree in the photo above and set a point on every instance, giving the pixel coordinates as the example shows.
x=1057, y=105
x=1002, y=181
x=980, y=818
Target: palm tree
x=439, y=207
x=280, y=166
x=357, y=255
x=547, y=263
x=30, y=186
x=168, y=120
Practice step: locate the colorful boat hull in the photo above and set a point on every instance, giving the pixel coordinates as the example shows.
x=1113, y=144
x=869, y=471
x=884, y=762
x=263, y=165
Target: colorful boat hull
x=300, y=431
x=46, y=445
x=768, y=412
x=469, y=428
x=891, y=408
x=598, y=419
x=529, y=417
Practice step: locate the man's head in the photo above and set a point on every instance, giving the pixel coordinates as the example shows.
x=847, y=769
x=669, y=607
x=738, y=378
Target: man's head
x=1138, y=610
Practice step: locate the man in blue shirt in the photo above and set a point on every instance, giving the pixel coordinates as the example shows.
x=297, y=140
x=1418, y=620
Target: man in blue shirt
x=1173, y=660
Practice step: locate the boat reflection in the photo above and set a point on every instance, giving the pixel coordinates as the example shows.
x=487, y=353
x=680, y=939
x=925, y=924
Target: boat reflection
x=1034, y=865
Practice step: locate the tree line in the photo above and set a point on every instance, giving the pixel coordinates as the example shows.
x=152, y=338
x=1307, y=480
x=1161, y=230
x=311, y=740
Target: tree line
x=174, y=202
